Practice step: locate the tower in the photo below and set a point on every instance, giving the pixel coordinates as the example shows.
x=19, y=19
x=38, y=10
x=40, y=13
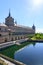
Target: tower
x=33, y=27
x=9, y=13
x=9, y=21
x=15, y=22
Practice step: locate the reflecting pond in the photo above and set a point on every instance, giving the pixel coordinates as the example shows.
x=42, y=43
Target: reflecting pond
x=32, y=54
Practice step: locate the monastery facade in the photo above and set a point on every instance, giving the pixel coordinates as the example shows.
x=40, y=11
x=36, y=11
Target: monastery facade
x=11, y=31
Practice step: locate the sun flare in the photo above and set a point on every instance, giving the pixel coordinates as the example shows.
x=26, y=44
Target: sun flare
x=37, y=2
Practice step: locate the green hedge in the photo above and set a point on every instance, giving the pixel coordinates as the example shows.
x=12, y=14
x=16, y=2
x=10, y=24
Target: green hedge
x=12, y=49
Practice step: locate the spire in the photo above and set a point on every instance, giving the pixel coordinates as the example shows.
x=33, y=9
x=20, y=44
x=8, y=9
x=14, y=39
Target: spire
x=33, y=26
x=9, y=13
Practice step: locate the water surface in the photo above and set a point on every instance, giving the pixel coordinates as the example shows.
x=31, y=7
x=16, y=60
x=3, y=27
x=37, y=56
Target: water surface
x=32, y=54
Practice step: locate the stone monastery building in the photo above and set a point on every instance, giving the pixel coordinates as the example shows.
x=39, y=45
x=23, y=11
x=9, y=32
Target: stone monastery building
x=11, y=31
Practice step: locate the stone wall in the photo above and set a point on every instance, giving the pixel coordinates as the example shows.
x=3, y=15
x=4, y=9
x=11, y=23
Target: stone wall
x=8, y=38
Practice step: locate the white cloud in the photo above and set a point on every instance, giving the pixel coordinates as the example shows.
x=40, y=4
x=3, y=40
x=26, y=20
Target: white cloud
x=39, y=30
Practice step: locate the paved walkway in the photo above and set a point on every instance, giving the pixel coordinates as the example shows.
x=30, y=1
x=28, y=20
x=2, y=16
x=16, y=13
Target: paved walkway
x=4, y=45
x=6, y=61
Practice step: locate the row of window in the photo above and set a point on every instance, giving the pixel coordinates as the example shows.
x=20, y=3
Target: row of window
x=20, y=33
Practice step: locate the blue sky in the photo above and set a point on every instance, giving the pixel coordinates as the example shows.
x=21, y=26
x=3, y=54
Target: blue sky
x=25, y=12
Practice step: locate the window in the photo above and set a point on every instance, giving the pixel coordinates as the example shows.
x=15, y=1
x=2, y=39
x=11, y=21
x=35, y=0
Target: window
x=0, y=35
x=0, y=28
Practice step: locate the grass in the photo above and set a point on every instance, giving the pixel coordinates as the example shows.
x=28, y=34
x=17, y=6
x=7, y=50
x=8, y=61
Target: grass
x=12, y=49
x=37, y=36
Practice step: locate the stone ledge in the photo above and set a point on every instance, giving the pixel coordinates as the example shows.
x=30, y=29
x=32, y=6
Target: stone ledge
x=11, y=60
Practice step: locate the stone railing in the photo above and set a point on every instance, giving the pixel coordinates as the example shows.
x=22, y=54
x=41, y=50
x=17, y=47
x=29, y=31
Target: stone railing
x=2, y=62
x=12, y=60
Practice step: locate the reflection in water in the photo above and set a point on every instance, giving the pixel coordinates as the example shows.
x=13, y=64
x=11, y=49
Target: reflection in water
x=31, y=55
x=34, y=43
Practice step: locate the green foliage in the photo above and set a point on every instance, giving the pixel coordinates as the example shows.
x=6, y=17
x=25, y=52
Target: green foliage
x=30, y=36
x=38, y=36
x=12, y=49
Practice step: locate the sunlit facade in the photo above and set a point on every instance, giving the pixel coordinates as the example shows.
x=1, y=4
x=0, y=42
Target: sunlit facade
x=12, y=31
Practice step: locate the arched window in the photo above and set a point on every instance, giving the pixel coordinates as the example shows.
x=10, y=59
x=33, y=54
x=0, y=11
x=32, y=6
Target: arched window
x=0, y=35
x=21, y=37
x=18, y=38
x=5, y=39
x=12, y=39
x=15, y=38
